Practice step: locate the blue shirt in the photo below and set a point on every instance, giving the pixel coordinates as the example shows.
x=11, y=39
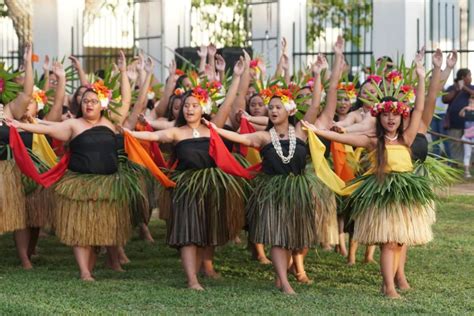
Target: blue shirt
x=460, y=101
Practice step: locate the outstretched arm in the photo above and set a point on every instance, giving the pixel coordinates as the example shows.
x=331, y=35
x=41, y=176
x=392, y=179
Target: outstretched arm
x=124, y=90
x=140, y=105
x=57, y=109
x=17, y=108
x=327, y=115
x=226, y=107
x=256, y=139
x=417, y=113
x=164, y=136
x=349, y=139
x=60, y=131
x=433, y=90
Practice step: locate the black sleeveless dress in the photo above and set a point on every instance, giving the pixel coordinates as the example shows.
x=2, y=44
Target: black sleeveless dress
x=419, y=148
x=207, y=205
x=93, y=207
x=281, y=210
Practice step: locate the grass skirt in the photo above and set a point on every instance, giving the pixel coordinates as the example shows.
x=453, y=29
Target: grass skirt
x=438, y=172
x=95, y=210
x=12, y=198
x=207, y=208
x=326, y=217
x=400, y=209
x=282, y=210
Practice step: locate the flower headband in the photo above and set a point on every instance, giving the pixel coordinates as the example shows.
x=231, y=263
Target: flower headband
x=395, y=107
x=350, y=90
x=40, y=97
x=103, y=93
x=203, y=97
x=395, y=77
x=285, y=96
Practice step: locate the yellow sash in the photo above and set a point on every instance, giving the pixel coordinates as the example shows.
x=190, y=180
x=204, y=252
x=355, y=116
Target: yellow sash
x=398, y=160
x=43, y=150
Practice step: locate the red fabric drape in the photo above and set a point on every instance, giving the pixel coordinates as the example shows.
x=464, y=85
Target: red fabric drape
x=26, y=165
x=245, y=128
x=224, y=159
x=152, y=147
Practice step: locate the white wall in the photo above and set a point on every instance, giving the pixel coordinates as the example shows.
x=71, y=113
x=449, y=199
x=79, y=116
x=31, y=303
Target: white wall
x=52, y=22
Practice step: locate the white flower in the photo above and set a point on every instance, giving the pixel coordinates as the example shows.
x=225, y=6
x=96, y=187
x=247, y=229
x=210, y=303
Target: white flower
x=207, y=108
x=150, y=95
x=104, y=103
x=290, y=106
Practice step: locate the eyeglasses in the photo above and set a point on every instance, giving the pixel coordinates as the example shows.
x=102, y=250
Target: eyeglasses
x=91, y=101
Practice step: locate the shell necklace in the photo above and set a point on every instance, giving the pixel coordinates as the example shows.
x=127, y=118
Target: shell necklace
x=277, y=145
x=392, y=139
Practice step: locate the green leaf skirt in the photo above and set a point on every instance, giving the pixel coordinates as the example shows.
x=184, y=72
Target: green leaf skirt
x=207, y=207
x=291, y=211
x=400, y=209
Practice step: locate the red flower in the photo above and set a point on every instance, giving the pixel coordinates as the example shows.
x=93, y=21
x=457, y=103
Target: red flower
x=2, y=85
x=375, y=78
x=179, y=72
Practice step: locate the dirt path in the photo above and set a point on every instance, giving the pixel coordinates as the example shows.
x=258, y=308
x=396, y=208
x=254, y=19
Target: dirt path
x=462, y=189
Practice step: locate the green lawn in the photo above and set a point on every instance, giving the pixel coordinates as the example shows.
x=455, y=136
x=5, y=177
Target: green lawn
x=441, y=274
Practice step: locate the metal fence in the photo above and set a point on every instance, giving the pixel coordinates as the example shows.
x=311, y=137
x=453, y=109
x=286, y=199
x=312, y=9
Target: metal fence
x=11, y=45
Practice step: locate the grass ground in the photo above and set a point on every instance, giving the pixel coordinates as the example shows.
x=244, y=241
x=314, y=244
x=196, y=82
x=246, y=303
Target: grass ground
x=441, y=274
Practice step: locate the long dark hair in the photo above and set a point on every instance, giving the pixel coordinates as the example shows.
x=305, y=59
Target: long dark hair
x=461, y=73
x=381, y=152
x=180, y=120
x=79, y=111
x=169, y=109
x=75, y=105
x=291, y=119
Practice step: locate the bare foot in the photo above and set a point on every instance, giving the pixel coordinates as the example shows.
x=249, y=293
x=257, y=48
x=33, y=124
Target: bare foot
x=124, y=259
x=114, y=267
x=26, y=265
x=288, y=290
x=196, y=287
x=237, y=240
x=277, y=282
x=402, y=284
x=392, y=294
x=303, y=278
x=370, y=260
x=87, y=278
x=211, y=274
x=351, y=262
x=264, y=260
x=343, y=252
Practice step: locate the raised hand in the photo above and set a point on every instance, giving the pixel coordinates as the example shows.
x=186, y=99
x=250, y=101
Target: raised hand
x=437, y=58
x=211, y=50
x=239, y=67
x=284, y=46
x=247, y=58
x=172, y=68
x=339, y=45
x=132, y=72
x=75, y=62
x=149, y=65
x=420, y=69
x=140, y=62
x=319, y=64
x=58, y=70
x=46, y=64
x=452, y=59
x=202, y=51
x=27, y=55
x=122, y=62
x=220, y=63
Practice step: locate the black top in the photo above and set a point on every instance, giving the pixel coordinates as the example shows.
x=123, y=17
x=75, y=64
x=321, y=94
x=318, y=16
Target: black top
x=228, y=143
x=419, y=147
x=94, y=151
x=193, y=153
x=26, y=137
x=272, y=164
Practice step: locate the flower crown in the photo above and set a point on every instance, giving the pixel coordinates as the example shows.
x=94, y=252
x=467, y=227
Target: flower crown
x=203, y=97
x=395, y=107
x=349, y=89
x=40, y=97
x=285, y=95
x=103, y=93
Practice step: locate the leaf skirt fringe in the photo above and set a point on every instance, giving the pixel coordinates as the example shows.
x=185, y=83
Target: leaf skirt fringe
x=438, y=172
x=96, y=210
x=400, y=209
x=207, y=208
x=283, y=211
x=12, y=198
x=326, y=216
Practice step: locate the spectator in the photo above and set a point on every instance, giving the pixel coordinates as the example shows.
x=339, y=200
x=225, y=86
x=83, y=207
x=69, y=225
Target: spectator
x=468, y=114
x=457, y=97
x=437, y=125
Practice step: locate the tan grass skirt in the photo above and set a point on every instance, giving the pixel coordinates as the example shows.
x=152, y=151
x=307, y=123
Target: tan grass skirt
x=396, y=223
x=40, y=208
x=326, y=219
x=12, y=198
x=86, y=216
